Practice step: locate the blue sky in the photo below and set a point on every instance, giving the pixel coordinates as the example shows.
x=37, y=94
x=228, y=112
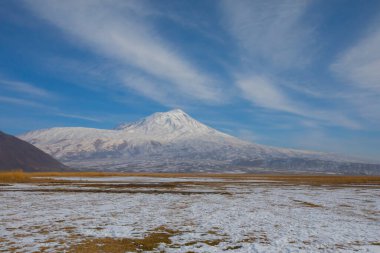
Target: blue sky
x=299, y=74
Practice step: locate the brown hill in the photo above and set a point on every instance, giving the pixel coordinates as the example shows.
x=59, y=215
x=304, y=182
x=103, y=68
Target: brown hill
x=19, y=154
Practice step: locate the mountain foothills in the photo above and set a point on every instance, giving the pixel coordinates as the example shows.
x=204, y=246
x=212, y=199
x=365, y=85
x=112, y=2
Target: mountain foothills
x=174, y=142
x=18, y=154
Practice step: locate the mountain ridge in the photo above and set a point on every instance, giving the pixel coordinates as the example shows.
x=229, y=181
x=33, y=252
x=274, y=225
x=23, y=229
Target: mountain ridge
x=174, y=141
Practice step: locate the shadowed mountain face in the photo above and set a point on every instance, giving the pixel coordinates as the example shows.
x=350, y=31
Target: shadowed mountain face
x=174, y=142
x=19, y=154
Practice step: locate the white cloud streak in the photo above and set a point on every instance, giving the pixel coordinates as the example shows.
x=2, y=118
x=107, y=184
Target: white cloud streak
x=273, y=35
x=119, y=30
x=360, y=64
x=25, y=88
x=19, y=101
x=44, y=108
x=76, y=116
x=359, y=67
x=262, y=92
x=271, y=31
x=148, y=88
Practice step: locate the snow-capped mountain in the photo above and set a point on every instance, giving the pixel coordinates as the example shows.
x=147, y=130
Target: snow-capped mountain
x=173, y=141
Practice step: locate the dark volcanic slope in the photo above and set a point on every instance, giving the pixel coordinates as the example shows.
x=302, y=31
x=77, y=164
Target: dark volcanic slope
x=19, y=154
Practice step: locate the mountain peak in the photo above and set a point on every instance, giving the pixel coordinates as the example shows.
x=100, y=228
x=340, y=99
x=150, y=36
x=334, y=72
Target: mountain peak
x=174, y=121
x=175, y=114
x=175, y=111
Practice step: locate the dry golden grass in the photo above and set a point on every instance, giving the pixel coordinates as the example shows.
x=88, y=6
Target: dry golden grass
x=325, y=179
x=116, y=245
x=77, y=174
x=19, y=176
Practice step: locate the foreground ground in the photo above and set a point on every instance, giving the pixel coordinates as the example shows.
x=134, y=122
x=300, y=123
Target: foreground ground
x=189, y=213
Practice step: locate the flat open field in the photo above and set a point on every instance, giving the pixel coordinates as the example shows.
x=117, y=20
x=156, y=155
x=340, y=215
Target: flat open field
x=119, y=212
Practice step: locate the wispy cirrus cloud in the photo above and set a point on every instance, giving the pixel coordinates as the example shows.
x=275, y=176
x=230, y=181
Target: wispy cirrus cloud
x=273, y=37
x=19, y=101
x=78, y=116
x=25, y=88
x=269, y=35
x=360, y=64
x=273, y=32
x=148, y=88
x=22, y=93
x=263, y=92
x=46, y=109
x=31, y=99
x=119, y=30
x=358, y=67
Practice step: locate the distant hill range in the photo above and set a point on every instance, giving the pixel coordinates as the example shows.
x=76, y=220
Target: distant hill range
x=174, y=142
x=19, y=154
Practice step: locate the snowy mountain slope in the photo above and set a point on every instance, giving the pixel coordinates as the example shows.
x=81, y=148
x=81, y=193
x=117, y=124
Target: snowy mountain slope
x=173, y=141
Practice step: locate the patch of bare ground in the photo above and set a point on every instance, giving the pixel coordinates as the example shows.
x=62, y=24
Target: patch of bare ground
x=13, y=249
x=215, y=231
x=50, y=240
x=307, y=204
x=4, y=242
x=371, y=215
x=260, y=237
x=69, y=229
x=371, y=212
x=43, y=230
x=150, y=242
x=348, y=246
x=43, y=249
x=18, y=235
x=214, y=242
x=233, y=247
x=345, y=206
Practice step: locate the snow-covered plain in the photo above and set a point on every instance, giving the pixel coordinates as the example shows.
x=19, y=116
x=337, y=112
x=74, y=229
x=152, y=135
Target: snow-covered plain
x=237, y=217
